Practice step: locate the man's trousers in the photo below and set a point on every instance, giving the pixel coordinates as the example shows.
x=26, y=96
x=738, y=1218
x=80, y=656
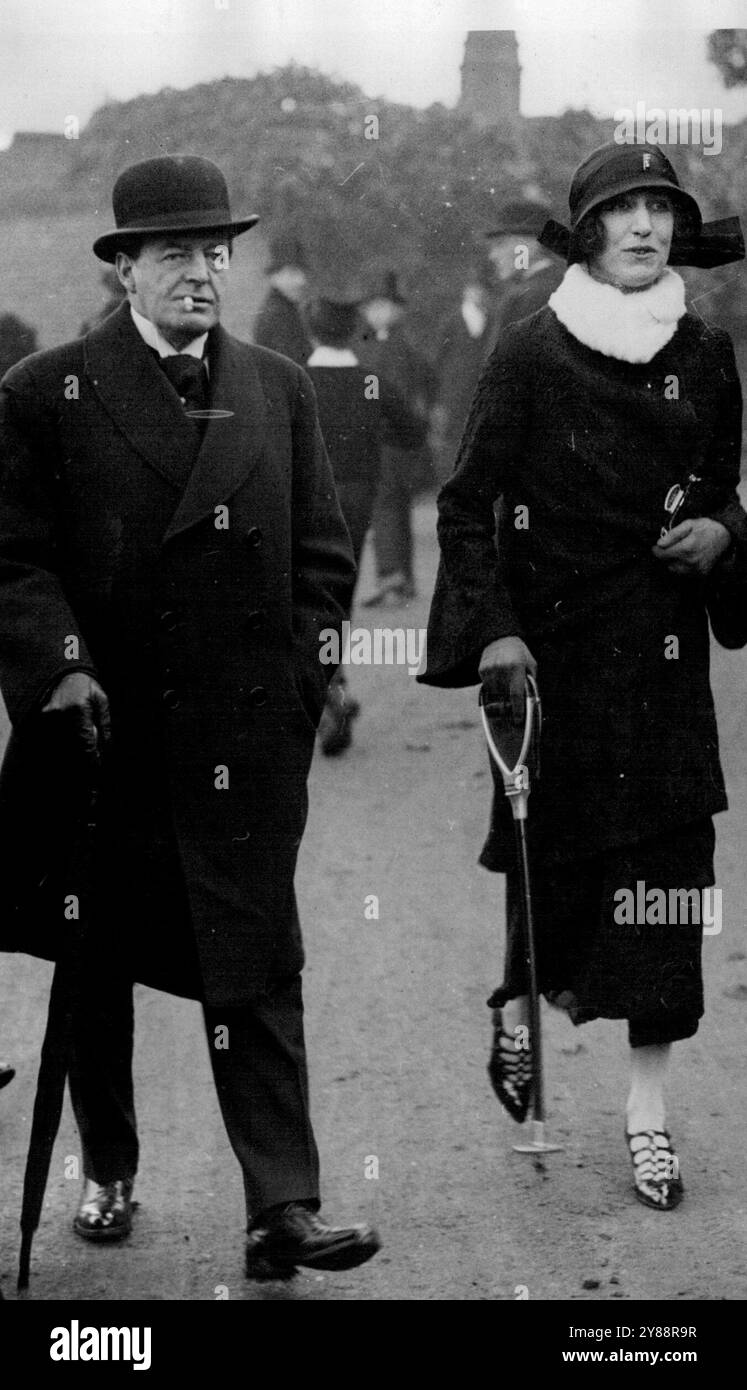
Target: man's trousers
x=260, y=1077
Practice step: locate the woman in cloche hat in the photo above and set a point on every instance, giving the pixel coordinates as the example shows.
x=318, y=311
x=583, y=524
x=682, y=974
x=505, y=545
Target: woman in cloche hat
x=587, y=415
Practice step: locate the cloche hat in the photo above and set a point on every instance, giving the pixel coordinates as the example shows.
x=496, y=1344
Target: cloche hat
x=614, y=169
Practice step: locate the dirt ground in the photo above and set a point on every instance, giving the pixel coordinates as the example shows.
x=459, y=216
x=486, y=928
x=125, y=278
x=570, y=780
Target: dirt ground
x=410, y=1133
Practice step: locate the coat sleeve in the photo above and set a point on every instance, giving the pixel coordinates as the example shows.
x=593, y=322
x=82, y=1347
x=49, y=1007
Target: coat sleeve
x=323, y=567
x=471, y=604
x=36, y=622
x=726, y=587
x=723, y=450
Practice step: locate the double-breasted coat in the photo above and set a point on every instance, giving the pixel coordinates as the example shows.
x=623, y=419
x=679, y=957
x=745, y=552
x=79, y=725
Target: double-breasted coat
x=192, y=579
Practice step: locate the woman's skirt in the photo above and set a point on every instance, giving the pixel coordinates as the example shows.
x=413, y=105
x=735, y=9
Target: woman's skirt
x=619, y=934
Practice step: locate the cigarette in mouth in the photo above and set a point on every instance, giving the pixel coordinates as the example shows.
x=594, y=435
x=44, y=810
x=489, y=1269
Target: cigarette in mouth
x=189, y=303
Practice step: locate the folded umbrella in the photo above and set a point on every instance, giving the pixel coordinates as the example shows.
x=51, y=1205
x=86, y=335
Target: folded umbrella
x=47, y=824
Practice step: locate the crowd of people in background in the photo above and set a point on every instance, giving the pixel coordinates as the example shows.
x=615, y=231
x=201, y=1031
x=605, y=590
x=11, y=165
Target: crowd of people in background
x=396, y=441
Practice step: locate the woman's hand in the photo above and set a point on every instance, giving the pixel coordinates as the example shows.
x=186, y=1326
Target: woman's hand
x=80, y=698
x=694, y=546
x=503, y=672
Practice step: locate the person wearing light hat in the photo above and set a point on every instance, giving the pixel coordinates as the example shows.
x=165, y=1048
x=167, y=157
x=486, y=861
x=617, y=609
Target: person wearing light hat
x=279, y=324
x=590, y=422
x=171, y=547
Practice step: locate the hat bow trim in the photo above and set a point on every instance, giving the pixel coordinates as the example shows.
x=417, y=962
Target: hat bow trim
x=718, y=243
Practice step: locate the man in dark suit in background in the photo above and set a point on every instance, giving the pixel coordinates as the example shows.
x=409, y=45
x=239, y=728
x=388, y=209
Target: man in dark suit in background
x=17, y=340
x=114, y=294
x=464, y=342
x=386, y=349
x=360, y=415
x=528, y=274
x=170, y=548
x=279, y=323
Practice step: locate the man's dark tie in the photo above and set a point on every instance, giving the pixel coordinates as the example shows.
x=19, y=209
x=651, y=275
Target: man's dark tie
x=189, y=379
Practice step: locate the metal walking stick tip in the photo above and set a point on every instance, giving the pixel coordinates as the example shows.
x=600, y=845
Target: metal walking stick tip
x=24, y=1262
x=538, y=1144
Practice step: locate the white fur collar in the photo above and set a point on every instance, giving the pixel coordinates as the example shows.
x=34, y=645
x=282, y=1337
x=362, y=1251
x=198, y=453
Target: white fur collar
x=631, y=327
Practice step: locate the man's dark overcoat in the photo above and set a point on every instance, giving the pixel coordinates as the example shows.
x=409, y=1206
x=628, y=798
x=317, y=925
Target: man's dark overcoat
x=280, y=327
x=579, y=450
x=460, y=359
x=529, y=292
x=354, y=428
x=196, y=578
x=407, y=468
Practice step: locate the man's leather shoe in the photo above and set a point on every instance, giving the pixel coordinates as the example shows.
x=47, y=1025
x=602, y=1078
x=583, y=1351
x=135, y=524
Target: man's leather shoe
x=105, y=1212
x=7, y=1072
x=293, y=1235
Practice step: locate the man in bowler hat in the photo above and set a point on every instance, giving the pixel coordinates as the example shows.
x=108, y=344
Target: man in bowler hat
x=527, y=274
x=171, y=547
x=280, y=324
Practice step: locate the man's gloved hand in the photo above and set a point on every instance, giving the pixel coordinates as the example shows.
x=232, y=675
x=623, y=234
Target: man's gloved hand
x=503, y=672
x=81, y=699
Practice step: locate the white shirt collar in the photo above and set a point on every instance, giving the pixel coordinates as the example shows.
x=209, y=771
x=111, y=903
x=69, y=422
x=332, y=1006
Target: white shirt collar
x=155, y=339
x=474, y=318
x=332, y=357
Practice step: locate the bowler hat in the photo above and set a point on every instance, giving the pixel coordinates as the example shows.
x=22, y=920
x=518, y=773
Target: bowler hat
x=285, y=250
x=480, y=273
x=521, y=217
x=384, y=286
x=614, y=169
x=332, y=321
x=173, y=193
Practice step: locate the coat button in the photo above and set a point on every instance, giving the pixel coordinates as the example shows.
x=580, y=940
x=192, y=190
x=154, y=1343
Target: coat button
x=258, y=696
x=169, y=620
x=255, y=620
x=254, y=536
x=171, y=699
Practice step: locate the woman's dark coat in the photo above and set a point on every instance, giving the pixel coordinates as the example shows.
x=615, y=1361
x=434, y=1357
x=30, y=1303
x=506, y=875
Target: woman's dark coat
x=195, y=578
x=579, y=450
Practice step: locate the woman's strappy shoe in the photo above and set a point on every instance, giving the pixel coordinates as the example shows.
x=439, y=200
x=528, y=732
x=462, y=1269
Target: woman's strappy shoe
x=510, y=1071
x=656, y=1169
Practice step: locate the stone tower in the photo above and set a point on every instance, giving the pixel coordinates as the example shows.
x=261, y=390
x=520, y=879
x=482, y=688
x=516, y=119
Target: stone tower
x=491, y=77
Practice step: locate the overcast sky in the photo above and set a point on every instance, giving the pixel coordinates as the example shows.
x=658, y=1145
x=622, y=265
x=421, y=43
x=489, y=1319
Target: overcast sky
x=64, y=57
